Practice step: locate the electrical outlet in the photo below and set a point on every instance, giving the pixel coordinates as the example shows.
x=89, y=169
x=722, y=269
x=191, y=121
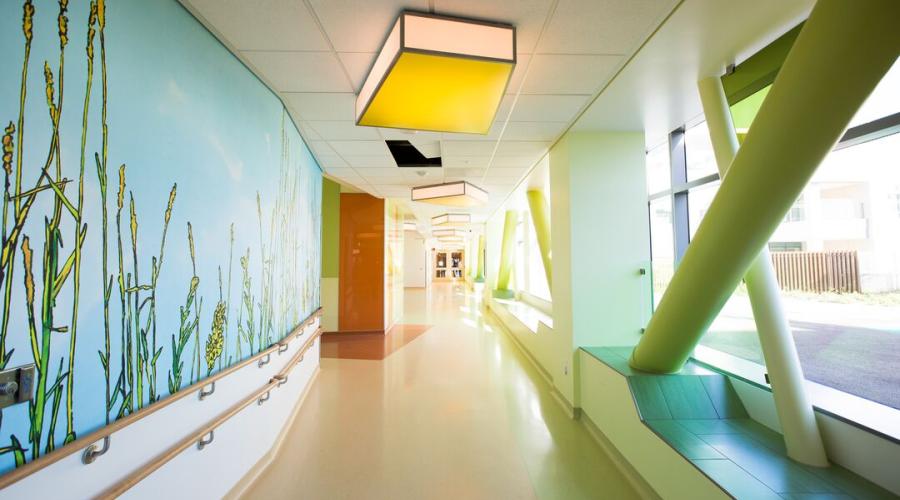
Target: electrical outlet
x=16, y=385
x=565, y=369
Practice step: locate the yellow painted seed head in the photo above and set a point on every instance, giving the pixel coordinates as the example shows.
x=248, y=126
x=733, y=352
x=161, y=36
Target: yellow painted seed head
x=8, y=147
x=28, y=20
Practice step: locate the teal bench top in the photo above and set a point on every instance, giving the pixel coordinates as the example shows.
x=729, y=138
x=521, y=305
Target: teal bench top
x=699, y=414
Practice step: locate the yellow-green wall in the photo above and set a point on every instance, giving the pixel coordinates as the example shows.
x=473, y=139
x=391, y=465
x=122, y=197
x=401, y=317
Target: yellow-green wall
x=331, y=243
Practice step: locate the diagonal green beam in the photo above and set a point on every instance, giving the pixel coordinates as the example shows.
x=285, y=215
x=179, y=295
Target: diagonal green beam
x=537, y=205
x=479, y=270
x=798, y=421
x=839, y=57
x=504, y=271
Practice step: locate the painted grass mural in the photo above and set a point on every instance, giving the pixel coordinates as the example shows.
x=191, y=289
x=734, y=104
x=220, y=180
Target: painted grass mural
x=161, y=225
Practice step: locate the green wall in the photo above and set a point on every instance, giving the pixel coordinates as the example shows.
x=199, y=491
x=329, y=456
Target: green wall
x=331, y=228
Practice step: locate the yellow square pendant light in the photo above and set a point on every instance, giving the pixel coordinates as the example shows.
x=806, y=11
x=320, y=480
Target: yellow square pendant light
x=438, y=73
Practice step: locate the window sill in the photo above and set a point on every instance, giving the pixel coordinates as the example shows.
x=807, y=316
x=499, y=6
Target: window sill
x=526, y=314
x=869, y=416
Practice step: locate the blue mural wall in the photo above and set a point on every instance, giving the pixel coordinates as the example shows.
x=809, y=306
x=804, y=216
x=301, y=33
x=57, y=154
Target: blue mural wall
x=160, y=218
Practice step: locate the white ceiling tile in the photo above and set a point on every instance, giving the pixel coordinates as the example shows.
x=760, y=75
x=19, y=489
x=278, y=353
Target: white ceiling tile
x=459, y=161
x=363, y=162
x=360, y=148
x=300, y=71
x=476, y=172
x=490, y=136
x=533, y=131
x=331, y=161
x=361, y=25
x=601, y=26
x=468, y=148
x=526, y=15
x=322, y=105
x=343, y=173
x=381, y=172
x=343, y=130
x=357, y=65
x=522, y=148
x=556, y=108
x=518, y=73
x=393, y=191
x=514, y=161
x=428, y=174
x=569, y=74
x=321, y=148
x=413, y=136
x=307, y=132
x=268, y=25
x=495, y=173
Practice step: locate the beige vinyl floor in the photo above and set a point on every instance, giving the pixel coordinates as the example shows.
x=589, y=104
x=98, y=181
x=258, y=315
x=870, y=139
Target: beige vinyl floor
x=456, y=413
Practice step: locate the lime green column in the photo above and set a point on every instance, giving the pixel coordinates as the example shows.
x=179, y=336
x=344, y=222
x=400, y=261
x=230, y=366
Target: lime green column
x=537, y=205
x=506, y=255
x=479, y=271
x=798, y=421
x=840, y=55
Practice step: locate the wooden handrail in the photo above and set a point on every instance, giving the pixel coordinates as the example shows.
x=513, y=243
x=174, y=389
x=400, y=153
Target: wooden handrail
x=160, y=460
x=80, y=444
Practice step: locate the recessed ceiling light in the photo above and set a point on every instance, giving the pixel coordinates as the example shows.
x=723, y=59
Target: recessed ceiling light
x=438, y=73
x=457, y=194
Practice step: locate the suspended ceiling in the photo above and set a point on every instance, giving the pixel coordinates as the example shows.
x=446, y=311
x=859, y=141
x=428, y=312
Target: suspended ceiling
x=316, y=54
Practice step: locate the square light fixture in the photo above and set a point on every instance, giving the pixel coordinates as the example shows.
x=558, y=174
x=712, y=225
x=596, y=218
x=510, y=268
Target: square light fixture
x=451, y=220
x=438, y=73
x=449, y=232
x=457, y=194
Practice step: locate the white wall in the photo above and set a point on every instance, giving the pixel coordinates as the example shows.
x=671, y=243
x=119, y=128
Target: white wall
x=415, y=259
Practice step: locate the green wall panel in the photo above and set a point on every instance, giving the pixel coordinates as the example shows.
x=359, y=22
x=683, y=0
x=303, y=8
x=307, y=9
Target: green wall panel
x=331, y=228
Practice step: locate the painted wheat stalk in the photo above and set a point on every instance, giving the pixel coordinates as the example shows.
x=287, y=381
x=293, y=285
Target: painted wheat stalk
x=228, y=298
x=156, y=270
x=126, y=345
x=80, y=229
x=215, y=342
x=195, y=366
x=106, y=277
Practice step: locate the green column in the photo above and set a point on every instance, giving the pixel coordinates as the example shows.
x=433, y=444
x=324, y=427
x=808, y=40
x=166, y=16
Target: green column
x=538, y=208
x=506, y=255
x=798, y=422
x=479, y=271
x=840, y=55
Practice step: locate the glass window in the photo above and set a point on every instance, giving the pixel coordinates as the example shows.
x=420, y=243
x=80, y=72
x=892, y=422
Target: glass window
x=701, y=161
x=837, y=259
x=884, y=100
x=699, y=200
x=662, y=247
x=659, y=173
x=797, y=213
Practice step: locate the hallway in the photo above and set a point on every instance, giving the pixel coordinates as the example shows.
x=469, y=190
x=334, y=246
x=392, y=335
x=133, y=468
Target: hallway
x=456, y=413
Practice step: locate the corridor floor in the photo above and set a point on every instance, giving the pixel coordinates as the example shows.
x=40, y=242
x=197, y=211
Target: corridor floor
x=457, y=413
